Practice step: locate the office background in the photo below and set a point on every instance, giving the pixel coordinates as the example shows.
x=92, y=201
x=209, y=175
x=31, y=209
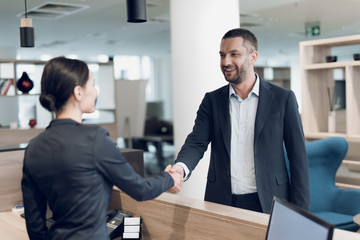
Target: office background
x=177, y=49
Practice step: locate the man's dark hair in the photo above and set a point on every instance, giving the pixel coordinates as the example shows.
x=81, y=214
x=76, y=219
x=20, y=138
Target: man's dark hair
x=245, y=34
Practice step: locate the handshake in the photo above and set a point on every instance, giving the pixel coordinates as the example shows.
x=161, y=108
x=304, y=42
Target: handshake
x=177, y=173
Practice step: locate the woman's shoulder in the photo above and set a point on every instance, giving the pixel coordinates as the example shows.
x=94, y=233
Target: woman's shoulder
x=95, y=129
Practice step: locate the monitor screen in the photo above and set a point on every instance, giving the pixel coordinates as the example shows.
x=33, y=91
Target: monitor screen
x=288, y=221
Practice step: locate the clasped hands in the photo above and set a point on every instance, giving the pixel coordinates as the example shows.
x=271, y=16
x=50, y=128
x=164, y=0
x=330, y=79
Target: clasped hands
x=177, y=173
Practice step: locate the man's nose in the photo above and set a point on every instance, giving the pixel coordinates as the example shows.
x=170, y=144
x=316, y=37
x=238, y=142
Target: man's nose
x=225, y=60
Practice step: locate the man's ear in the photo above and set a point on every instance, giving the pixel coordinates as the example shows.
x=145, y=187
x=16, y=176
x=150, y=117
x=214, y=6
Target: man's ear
x=78, y=93
x=253, y=57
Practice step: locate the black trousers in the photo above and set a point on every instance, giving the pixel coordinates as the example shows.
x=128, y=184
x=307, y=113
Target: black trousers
x=248, y=201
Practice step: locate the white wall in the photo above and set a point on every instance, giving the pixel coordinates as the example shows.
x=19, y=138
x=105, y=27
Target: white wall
x=164, y=84
x=196, y=30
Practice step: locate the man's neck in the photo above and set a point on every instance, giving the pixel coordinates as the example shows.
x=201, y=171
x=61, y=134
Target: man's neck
x=244, y=88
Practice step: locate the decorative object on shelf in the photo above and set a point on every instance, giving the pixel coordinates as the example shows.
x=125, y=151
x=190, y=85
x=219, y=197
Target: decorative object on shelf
x=32, y=122
x=136, y=11
x=331, y=58
x=332, y=121
x=13, y=125
x=332, y=114
x=26, y=31
x=25, y=84
x=356, y=56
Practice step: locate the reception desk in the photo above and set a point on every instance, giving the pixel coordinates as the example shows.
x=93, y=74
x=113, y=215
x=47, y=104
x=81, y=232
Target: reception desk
x=169, y=216
x=172, y=217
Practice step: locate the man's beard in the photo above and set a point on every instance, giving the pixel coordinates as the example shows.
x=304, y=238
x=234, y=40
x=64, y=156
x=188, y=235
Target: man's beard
x=239, y=78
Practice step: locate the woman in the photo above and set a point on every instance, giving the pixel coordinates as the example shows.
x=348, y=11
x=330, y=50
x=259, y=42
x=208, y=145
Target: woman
x=72, y=167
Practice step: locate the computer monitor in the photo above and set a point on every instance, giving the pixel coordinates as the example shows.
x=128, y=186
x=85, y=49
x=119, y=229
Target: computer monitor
x=288, y=221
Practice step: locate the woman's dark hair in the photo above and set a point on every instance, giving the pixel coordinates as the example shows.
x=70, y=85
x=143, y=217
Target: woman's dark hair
x=245, y=34
x=60, y=77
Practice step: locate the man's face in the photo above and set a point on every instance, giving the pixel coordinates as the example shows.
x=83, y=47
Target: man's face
x=235, y=59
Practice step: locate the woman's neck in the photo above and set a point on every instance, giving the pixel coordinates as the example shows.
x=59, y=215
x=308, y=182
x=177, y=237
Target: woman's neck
x=67, y=114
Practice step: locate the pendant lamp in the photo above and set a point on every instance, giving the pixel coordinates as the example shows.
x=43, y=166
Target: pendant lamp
x=26, y=31
x=136, y=10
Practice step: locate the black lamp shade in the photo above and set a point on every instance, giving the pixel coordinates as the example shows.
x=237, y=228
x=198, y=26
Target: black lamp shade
x=27, y=36
x=136, y=11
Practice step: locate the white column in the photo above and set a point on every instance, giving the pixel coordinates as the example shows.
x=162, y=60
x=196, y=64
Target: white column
x=197, y=27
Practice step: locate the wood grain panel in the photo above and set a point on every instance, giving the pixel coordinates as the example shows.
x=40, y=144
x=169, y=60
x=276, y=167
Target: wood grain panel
x=10, y=179
x=176, y=217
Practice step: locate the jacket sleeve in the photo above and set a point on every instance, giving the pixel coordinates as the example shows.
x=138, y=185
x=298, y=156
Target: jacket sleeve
x=298, y=162
x=34, y=207
x=114, y=167
x=198, y=140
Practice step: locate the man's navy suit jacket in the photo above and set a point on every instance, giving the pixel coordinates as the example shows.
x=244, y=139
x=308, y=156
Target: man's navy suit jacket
x=277, y=123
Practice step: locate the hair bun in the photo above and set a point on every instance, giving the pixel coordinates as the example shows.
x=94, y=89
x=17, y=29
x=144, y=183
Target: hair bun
x=48, y=101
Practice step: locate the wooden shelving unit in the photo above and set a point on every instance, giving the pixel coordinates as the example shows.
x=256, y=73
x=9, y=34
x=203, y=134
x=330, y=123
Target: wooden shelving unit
x=318, y=79
x=17, y=102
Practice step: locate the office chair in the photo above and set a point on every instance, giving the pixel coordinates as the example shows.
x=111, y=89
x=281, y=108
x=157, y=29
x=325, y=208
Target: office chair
x=327, y=201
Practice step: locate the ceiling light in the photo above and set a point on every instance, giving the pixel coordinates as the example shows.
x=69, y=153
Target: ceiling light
x=26, y=31
x=103, y=58
x=136, y=10
x=72, y=56
x=45, y=57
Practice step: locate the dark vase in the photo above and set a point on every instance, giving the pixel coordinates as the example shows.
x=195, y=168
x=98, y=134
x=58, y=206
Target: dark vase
x=25, y=84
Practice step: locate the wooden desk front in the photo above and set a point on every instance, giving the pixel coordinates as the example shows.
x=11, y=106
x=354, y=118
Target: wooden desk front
x=172, y=217
x=176, y=217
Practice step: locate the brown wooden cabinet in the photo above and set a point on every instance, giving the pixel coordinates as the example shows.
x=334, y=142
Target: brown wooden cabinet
x=277, y=75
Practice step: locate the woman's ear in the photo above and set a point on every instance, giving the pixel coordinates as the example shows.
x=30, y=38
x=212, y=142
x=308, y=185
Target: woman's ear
x=78, y=93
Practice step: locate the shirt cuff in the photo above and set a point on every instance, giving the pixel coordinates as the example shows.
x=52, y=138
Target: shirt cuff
x=186, y=170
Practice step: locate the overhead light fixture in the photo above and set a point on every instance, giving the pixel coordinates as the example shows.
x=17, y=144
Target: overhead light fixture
x=136, y=10
x=26, y=31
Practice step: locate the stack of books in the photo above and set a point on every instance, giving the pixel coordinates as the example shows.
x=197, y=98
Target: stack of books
x=132, y=228
x=5, y=84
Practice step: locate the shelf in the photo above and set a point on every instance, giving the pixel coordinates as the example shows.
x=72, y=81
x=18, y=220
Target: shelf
x=23, y=107
x=318, y=78
x=332, y=42
x=319, y=66
x=320, y=135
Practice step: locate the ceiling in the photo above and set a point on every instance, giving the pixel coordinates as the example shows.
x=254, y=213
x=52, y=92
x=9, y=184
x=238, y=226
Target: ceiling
x=101, y=27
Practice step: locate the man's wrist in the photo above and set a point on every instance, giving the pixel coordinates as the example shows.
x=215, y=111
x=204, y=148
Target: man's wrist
x=185, y=168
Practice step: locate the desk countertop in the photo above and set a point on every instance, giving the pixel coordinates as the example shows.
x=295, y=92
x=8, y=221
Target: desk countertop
x=15, y=147
x=12, y=226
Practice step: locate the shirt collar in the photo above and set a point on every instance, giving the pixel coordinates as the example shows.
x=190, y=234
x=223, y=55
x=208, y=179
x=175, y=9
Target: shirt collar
x=255, y=90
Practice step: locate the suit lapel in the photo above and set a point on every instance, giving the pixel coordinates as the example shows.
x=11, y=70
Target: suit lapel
x=224, y=118
x=265, y=101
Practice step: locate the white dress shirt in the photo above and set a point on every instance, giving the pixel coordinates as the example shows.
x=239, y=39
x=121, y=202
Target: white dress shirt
x=242, y=115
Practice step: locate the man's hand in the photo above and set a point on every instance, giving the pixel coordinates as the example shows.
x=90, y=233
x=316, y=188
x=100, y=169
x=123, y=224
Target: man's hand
x=177, y=177
x=177, y=168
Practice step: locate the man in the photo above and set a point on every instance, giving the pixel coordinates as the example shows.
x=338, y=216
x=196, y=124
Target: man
x=248, y=122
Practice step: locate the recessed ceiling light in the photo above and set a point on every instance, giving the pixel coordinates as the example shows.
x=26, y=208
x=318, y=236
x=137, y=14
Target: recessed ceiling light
x=52, y=10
